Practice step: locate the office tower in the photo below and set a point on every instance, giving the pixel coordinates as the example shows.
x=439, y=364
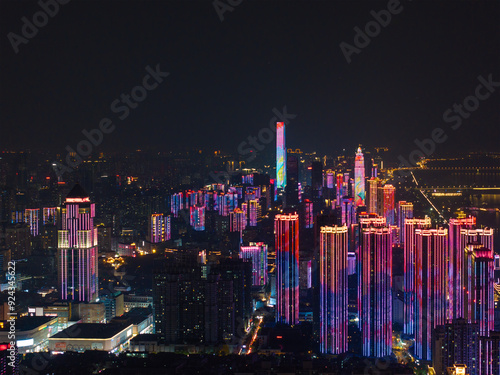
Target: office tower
x=405, y=211
x=359, y=179
x=77, y=254
x=176, y=204
x=478, y=289
x=372, y=195
x=347, y=211
x=197, y=218
x=50, y=215
x=456, y=342
x=387, y=203
x=256, y=252
x=333, y=289
x=409, y=246
x=286, y=230
x=374, y=291
x=431, y=286
x=157, y=232
x=489, y=354
x=280, y=156
x=32, y=218
x=456, y=265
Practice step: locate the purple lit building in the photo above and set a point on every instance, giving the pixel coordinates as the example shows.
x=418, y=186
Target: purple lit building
x=333, y=289
x=77, y=249
x=257, y=253
x=286, y=230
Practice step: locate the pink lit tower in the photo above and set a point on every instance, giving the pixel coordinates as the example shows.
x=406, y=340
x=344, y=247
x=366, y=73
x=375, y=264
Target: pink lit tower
x=77, y=249
x=359, y=179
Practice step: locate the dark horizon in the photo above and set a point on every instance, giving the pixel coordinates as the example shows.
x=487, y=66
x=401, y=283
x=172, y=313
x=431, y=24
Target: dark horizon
x=227, y=77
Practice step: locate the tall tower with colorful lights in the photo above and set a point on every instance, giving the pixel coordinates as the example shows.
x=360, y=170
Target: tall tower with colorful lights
x=359, y=178
x=77, y=257
x=280, y=156
x=286, y=229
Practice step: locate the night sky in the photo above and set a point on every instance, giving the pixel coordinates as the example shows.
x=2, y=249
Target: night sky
x=226, y=77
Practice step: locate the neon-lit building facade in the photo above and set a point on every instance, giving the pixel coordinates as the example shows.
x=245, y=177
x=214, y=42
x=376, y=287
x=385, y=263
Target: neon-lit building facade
x=254, y=212
x=159, y=228
x=375, y=291
x=339, y=186
x=308, y=214
x=197, y=218
x=388, y=196
x=479, y=290
x=280, y=156
x=431, y=270
x=409, y=252
x=257, y=253
x=49, y=215
x=457, y=264
x=237, y=221
x=372, y=195
x=286, y=232
x=333, y=289
x=77, y=254
x=32, y=218
x=405, y=211
x=176, y=204
x=359, y=179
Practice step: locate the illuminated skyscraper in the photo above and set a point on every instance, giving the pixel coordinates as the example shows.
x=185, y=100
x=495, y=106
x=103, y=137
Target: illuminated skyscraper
x=176, y=204
x=375, y=291
x=32, y=218
x=479, y=290
x=254, y=212
x=280, y=156
x=77, y=249
x=339, y=186
x=456, y=266
x=50, y=215
x=257, y=253
x=431, y=269
x=333, y=290
x=308, y=214
x=372, y=195
x=409, y=270
x=386, y=203
x=286, y=231
x=197, y=218
x=405, y=211
x=359, y=179
x=330, y=179
x=237, y=221
x=159, y=228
